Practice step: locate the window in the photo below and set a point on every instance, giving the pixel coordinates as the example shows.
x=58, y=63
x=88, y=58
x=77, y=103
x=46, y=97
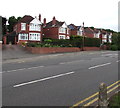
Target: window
x=61, y=36
x=62, y=30
x=34, y=36
x=23, y=36
x=23, y=26
x=35, y=27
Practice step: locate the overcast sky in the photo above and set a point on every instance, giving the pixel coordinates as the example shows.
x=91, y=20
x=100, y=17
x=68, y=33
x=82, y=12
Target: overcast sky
x=97, y=13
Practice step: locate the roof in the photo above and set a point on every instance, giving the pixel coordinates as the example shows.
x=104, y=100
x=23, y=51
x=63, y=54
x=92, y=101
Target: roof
x=88, y=30
x=73, y=27
x=96, y=30
x=58, y=24
x=26, y=19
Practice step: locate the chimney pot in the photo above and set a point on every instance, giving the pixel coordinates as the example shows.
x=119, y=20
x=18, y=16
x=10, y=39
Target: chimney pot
x=44, y=21
x=54, y=21
x=40, y=17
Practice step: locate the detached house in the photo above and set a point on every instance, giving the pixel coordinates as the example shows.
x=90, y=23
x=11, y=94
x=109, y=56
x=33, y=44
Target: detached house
x=27, y=29
x=88, y=32
x=103, y=35
x=55, y=29
x=75, y=30
x=106, y=36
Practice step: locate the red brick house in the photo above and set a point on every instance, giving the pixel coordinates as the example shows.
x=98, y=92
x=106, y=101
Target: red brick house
x=27, y=29
x=55, y=29
x=88, y=32
x=75, y=30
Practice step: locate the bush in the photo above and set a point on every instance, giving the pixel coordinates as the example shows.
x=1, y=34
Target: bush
x=113, y=47
x=74, y=41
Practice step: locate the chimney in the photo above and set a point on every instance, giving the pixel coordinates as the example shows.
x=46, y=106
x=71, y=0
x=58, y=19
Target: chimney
x=39, y=17
x=54, y=21
x=44, y=21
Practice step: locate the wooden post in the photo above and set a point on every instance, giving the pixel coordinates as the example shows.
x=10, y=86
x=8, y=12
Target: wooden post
x=102, y=102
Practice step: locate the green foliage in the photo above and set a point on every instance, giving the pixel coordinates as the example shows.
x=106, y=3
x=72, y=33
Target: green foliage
x=115, y=38
x=92, y=42
x=113, y=47
x=74, y=41
x=119, y=41
x=115, y=101
x=12, y=21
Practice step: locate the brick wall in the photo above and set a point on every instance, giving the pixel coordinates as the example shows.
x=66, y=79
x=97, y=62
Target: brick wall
x=51, y=33
x=46, y=50
x=73, y=32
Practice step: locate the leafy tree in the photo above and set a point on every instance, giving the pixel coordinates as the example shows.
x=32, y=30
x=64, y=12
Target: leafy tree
x=12, y=21
x=115, y=38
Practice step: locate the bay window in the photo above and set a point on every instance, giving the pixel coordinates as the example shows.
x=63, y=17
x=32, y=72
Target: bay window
x=34, y=36
x=23, y=36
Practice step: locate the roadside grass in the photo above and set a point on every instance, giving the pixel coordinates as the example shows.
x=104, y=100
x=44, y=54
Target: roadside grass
x=115, y=101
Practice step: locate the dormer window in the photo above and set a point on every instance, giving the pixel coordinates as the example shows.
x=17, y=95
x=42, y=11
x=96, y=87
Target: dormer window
x=23, y=26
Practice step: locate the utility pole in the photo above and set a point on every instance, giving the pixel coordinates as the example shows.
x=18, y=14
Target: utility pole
x=83, y=40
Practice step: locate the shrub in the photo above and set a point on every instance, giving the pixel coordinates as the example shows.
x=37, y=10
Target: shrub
x=114, y=47
x=74, y=41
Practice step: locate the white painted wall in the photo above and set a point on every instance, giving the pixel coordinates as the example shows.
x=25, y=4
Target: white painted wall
x=35, y=25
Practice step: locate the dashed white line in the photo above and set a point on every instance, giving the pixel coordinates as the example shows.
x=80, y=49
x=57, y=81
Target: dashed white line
x=44, y=79
x=71, y=62
x=118, y=61
x=21, y=61
x=99, y=65
x=21, y=69
x=35, y=67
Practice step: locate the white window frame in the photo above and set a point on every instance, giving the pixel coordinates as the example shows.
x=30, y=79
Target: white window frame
x=23, y=35
x=23, y=26
x=34, y=27
x=61, y=36
x=62, y=30
x=34, y=36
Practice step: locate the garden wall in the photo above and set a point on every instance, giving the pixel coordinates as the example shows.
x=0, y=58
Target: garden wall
x=47, y=50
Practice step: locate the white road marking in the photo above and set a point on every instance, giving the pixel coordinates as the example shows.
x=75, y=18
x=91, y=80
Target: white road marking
x=118, y=61
x=21, y=61
x=71, y=62
x=35, y=67
x=91, y=53
x=44, y=79
x=99, y=66
x=109, y=55
x=21, y=69
x=104, y=52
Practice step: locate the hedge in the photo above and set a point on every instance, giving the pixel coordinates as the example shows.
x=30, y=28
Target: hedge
x=74, y=41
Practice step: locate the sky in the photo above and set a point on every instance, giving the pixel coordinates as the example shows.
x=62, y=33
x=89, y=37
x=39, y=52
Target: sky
x=96, y=13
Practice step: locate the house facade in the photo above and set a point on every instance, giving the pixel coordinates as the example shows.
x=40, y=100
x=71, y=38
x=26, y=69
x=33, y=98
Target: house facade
x=27, y=29
x=88, y=32
x=103, y=35
x=75, y=30
x=55, y=29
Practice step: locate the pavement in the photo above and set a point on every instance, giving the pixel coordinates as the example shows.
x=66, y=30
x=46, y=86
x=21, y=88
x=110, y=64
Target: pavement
x=58, y=79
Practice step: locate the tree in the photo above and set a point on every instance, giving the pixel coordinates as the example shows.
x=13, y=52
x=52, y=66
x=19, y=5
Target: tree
x=12, y=21
x=115, y=38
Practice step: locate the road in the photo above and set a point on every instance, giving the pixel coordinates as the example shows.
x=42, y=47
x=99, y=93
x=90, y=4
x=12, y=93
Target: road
x=57, y=80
